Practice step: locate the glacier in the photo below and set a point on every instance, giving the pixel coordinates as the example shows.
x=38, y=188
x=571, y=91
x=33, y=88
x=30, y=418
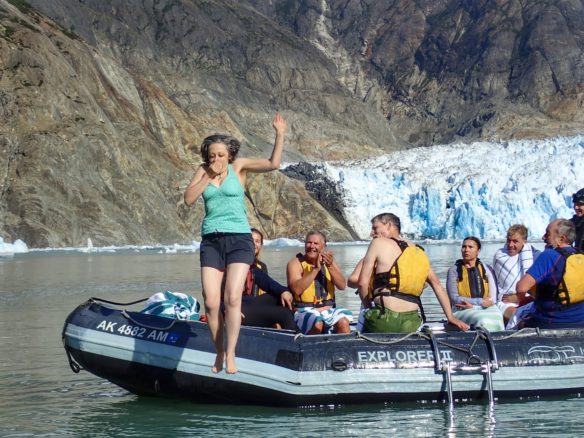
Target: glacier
x=451, y=191
x=444, y=192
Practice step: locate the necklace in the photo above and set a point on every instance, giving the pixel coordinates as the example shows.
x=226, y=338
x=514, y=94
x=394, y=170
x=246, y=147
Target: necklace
x=220, y=176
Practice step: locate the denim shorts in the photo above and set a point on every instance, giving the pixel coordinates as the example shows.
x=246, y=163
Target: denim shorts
x=221, y=249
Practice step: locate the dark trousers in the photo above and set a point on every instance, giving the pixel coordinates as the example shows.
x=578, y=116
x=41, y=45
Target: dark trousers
x=266, y=311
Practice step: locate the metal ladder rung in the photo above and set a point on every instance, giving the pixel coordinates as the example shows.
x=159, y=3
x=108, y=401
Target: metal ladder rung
x=484, y=369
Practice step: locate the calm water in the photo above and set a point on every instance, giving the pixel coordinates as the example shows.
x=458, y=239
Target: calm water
x=41, y=396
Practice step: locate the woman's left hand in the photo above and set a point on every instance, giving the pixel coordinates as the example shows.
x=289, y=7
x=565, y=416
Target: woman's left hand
x=464, y=305
x=287, y=300
x=487, y=302
x=279, y=124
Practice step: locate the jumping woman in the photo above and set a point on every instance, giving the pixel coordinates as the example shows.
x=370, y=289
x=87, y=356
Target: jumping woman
x=227, y=248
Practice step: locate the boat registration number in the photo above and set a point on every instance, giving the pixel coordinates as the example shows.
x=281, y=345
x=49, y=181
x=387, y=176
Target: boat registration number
x=135, y=331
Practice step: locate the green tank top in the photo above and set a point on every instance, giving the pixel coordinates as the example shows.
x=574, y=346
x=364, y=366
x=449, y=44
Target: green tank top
x=225, y=210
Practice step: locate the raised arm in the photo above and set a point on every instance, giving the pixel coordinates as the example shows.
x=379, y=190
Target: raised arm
x=197, y=185
x=265, y=164
x=334, y=269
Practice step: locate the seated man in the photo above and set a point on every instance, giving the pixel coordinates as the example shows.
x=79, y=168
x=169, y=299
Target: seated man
x=265, y=302
x=393, y=276
x=578, y=219
x=510, y=263
x=382, y=225
x=313, y=277
x=558, y=275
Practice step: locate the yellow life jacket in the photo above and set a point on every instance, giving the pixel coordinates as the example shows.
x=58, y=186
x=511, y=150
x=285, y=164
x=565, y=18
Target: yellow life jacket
x=321, y=292
x=571, y=287
x=407, y=276
x=463, y=284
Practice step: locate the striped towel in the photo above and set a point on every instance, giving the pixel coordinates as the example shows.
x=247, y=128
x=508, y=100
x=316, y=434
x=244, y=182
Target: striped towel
x=306, y=317
x=361, y=319
x=523, y=313
x=509, y=269
x=489, y=318
x=173, y=305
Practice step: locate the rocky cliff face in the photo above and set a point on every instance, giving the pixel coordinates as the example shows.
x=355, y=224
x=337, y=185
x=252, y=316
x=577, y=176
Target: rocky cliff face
x=96, y=147
x=101, y=101
x=446, y=70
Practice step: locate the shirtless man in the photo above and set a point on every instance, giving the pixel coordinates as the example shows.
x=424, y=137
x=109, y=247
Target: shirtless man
x=401, y=306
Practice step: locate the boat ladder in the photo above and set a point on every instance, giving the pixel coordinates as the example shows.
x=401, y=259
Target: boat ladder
x=474, y=364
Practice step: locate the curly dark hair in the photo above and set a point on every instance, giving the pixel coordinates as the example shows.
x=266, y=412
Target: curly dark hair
x=230, y=142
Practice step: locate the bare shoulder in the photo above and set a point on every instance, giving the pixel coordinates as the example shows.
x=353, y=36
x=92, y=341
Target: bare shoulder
x=383, y=243
x=294, y=264
x=238, y=164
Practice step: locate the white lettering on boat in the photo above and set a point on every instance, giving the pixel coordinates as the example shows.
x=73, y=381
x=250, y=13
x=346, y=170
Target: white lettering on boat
x=136, y=331
x=159, y=336
x=409, y=356
x=554, y=353
x=107, y=326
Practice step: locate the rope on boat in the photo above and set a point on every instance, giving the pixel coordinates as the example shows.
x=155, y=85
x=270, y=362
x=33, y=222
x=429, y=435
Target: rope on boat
x=100, y=300
x=72, y=363
x=456, y=347
x=395, y=341
x=520, y=331
x=128, y=316
x=423, y=336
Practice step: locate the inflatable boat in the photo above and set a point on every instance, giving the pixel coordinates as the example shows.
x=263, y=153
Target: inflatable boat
x=157, y=356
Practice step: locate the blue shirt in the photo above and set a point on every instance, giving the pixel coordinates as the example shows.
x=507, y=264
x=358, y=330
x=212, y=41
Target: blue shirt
x=547, y=271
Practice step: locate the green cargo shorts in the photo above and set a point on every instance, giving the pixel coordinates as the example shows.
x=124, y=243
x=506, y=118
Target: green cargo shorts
x=380, y=320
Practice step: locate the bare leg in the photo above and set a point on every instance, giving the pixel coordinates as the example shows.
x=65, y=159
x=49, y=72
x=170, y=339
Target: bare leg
x=343, y=326
x=212, y=279
x=234, y=283
x=317, y=328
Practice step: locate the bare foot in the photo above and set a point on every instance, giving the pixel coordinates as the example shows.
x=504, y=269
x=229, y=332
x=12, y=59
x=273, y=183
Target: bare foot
x=218, y=366
x=230, y=367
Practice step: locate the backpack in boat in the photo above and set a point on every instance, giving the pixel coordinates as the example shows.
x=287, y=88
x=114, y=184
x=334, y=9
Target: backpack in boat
x=571, y=287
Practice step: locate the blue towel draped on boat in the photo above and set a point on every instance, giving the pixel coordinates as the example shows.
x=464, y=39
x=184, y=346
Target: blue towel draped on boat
x=173, y=305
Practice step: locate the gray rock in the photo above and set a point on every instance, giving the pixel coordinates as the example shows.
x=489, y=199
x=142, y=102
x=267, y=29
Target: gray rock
x=101, y=102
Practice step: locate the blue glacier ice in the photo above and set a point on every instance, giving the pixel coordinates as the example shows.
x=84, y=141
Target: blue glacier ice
x=451, y=191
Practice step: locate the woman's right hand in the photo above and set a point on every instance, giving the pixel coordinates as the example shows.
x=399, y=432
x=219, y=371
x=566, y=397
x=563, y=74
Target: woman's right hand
x=214, y=169
x=487, y=302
